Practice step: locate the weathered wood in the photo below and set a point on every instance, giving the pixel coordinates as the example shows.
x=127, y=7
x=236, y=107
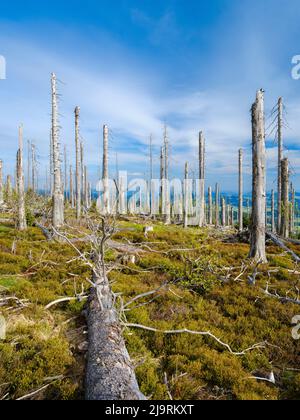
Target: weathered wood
x=105, y=175
x=285, y=204
x=273, y=226
x=186, y=197
x=58, y=196
x=78, y=167
x=21, y=216
x=258, y=223
x=279, y=242
x=201, y=179
x=280, y=157
x=217, y=206
x=210, y=206
x=109, y=375
x=1, y=183
x=241, y=199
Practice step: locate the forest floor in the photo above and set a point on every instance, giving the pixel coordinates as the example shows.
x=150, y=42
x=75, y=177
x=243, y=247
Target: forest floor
x=209, y=285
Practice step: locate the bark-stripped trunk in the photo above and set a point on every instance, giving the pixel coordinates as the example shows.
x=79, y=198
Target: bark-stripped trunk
x=1, y=183
x=217, y=208
x=285, y=206
x=241, y=210
x=66, y=173
x=77, y=172
x=202, y=179
x=8, y=187
x=58, y=196
x=28, y=165
x=280, y=157
x=151, y=198
x=33, y=168
x=83, y=193
x=109, y=375
x=232, y=216
x=223, y=212
x=86, y=189
x=292, y=216
x=166, y=196
x=258, y=224
x=273, y=227
x=106, y=207
x=21, y=216
x=72, y=198
x=51, y=163
x=210, y=206
x=186, y=197
x=162, y=176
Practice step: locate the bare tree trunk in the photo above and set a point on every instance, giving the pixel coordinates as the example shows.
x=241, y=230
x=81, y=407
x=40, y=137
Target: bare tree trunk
x=33, y=168
x=28, y=165
x=202, y=179
x=223, y=212
x=285, y=207
x=1, y=184
x=66, y=173
x=280, y=157
x=186, y=197
x=162, y=176
x=58, y=196
x=8, y=187
x=241, y=200
x=167, y=206
x=232, y=216
x=72, y=198
x=151, y=175
x=292, y=216
x=51, y=163
x=86, y=188
x=105, y=171
x=273, y=227
x=217, y=208
x=258, y=225
x=110, y=375
x=210, y=206
x=21, y=221
x=78, y=172
x=82, y=173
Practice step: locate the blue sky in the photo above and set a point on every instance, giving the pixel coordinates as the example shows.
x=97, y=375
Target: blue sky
x=136, y=64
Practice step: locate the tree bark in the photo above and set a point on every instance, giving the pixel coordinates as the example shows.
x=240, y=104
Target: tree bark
x=21, y=221
x=241, y=210
x=78, y=167
x=186, y=197
x=280, y=157
x=1, y=184
x=202, y=179
x=258, y=224
x=109, y=375
x=210, y=206
x=58, y=196
x=285, y=205
x=105, y=175
x=217, y=208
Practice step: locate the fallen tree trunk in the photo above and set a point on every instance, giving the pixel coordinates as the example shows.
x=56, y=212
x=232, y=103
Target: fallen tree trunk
x=279, y=242
x=110, y=375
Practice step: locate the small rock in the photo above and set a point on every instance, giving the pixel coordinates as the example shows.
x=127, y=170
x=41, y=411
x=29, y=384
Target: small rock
x=83, y=347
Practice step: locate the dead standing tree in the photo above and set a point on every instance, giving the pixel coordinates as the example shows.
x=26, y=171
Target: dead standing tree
x=258, y=223
x=1, y=184
x=77, y=171
x=202, y=179
x=241, y=210
x=105, y=175
x=285, y=204
x=21, y=214
x=58, y=196
x=280, y=157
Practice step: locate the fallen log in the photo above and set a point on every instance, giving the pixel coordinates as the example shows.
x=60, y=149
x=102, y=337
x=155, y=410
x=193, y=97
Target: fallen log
x=109, y=375
x=279, y=242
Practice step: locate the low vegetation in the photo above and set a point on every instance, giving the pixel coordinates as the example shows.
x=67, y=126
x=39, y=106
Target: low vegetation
x=209, y=286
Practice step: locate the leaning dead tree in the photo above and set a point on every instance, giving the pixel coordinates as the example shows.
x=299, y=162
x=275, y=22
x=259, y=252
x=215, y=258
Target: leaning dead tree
x=202, y=179
x=258, y=222
x=285, y=203
x=21, y=213
x=241, y=210
x=58, y=196
x=77, y=171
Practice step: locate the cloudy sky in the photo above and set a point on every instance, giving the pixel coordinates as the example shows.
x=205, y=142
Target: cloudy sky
x=136, y=64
